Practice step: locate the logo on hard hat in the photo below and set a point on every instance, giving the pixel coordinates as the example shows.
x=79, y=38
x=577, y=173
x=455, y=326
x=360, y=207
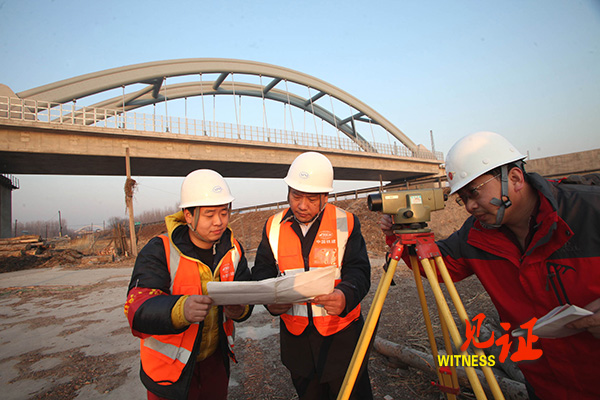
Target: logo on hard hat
x=303, y=175
x=450, y=175
x=217, y=189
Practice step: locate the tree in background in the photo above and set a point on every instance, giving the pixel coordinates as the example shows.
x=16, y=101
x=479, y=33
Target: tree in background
x=45, y=229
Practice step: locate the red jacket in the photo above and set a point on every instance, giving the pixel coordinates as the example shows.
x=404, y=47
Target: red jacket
x=561, y=265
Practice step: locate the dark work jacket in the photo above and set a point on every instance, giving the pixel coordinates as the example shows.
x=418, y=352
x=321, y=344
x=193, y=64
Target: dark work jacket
x=310, y=352
x=153, y=315
x=560, y=265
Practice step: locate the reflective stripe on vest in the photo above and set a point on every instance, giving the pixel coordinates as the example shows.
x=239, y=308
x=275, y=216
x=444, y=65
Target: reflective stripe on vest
x=327, y=249
x=165, y=356
x=173, y=352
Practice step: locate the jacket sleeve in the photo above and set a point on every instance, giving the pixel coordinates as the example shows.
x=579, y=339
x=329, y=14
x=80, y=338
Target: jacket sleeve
x=356, y=269
x=452, y=252
x=149, y=302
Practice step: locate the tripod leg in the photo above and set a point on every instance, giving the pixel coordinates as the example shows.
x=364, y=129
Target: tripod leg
x=452, y=380
x=462, y=313
x=454, y=333
x=445, y=381
x=414, y=264
x=368, y=329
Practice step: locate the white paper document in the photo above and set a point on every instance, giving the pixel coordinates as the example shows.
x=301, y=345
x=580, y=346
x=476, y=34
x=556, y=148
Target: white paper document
x=294, y=288
x=552, y=325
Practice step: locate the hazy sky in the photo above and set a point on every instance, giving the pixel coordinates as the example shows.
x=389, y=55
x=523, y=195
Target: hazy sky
x=529, y=70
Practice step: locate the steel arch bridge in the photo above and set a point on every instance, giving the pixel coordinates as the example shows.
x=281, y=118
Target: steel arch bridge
x=154, y=75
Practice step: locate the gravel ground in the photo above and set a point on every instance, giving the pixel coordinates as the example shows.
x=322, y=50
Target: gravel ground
x=71, y=341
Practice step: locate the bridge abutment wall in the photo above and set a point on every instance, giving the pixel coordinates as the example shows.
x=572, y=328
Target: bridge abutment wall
x=6, y=188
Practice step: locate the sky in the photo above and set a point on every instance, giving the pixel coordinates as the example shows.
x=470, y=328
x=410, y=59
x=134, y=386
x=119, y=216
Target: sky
x=527, y=69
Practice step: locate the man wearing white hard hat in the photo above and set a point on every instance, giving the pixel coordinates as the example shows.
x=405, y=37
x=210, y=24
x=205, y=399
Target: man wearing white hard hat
x=186, y=341
x=534, y=244
x=318, y=337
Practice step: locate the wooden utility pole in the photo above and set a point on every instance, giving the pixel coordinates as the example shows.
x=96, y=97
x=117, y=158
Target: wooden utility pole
x=129, y=188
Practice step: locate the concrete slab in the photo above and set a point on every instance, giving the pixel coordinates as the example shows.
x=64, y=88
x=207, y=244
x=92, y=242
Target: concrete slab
x=63, y=331
x=67, y=326
x=62, y=276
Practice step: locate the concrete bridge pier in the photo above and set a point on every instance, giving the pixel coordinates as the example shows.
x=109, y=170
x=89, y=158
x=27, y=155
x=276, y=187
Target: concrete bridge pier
x=8, y=183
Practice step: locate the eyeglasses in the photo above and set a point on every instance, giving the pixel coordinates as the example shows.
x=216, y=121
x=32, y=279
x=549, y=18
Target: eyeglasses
x=472, y=193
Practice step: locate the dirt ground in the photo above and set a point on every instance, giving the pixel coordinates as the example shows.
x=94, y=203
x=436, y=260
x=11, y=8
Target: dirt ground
x=260, y=374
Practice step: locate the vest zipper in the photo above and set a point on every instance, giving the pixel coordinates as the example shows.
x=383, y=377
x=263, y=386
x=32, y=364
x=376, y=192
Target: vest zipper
x=308, y=303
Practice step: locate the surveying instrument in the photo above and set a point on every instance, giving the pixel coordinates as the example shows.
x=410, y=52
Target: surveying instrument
x=410, y=210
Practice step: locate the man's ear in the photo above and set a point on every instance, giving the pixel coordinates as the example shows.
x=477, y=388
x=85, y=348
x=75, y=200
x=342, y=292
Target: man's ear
x=188, y=216
x=516, y=178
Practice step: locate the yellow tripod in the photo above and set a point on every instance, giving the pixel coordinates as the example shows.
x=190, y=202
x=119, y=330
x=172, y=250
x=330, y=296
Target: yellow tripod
x=422, y=247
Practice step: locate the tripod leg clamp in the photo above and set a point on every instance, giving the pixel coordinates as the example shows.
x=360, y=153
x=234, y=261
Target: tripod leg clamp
x=426, y=248
x=446, y=374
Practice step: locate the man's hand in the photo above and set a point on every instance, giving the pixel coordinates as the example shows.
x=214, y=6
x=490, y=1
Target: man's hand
x=334, y=303
x=278, y=309
x=234, y=312
x=592, y=322
x=196, y=308
x=385, y=223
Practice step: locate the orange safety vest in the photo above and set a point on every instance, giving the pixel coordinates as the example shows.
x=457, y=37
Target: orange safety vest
x=164, y=356
x=327, y=250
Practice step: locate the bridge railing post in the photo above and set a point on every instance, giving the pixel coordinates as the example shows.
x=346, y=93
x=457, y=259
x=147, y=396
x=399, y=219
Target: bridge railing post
x=46, y=111
x=9, y=109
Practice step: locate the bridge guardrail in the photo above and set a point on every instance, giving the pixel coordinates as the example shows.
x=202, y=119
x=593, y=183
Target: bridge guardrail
x=57, y=113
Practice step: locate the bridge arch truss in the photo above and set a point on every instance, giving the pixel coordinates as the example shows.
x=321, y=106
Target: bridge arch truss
x=273, y=86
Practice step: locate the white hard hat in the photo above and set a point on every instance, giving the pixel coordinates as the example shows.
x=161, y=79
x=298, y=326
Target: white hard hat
x=310, y=172
x=476, y=154
x=204, y=187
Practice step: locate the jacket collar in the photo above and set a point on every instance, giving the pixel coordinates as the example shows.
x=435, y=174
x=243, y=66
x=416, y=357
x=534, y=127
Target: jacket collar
x=547, y=222
x=544, y=187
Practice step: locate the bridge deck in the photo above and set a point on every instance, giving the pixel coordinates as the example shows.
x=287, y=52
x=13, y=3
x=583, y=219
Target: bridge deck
x=30, y=147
